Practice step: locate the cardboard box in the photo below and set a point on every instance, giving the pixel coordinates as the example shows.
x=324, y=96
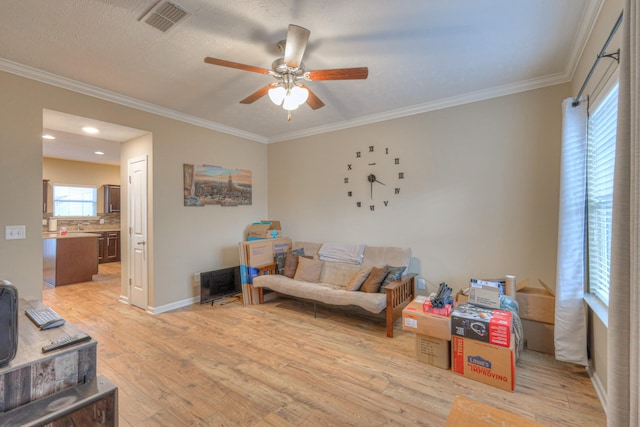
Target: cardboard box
x=434, y=351
x=538, y=336
x=536, y=304
x=416, y=320
x=461, y=297
x=482, y=324
x=484, y=293
x=258, y=253
x=264, y=230
x=489, y=364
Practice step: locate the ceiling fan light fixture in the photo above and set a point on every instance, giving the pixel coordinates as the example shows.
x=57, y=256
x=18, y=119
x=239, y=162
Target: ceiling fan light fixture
x=290, y=103
x=299, y=94
x=277, y=94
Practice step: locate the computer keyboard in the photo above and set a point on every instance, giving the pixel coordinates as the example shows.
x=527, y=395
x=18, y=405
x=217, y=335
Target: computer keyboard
x=44, y=317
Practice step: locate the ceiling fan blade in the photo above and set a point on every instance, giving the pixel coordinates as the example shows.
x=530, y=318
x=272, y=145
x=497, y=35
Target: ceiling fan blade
x=339, y=74
x=256, y=95
x=223, y=63
x=297, y=38
x=313, y=101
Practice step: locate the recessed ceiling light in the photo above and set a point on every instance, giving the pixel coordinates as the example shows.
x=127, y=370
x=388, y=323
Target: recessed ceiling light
x=47, y=136
x=89, y=129
x=99, y=153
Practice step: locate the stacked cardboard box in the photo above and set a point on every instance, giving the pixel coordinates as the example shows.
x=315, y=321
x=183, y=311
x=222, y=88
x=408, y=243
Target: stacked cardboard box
x=487, y=363
x=537, y=311
x=254, y=254
x=265, y=229
x=433, y=333
x=483, y=345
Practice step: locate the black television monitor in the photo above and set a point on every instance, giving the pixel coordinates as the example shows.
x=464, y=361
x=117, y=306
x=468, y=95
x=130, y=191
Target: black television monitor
x=218, y=284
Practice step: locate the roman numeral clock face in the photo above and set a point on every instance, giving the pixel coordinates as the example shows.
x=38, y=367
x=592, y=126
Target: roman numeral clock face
x=373, y=178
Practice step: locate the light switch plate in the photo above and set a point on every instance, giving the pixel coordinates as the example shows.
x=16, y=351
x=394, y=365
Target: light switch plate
x=15, y=232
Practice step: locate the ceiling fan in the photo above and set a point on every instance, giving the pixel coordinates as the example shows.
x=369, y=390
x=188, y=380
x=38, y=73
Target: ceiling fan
x=288, y=90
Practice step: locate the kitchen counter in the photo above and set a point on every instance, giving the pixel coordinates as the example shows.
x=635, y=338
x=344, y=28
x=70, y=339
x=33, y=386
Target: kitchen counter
x=68, y=259
x=69, y=235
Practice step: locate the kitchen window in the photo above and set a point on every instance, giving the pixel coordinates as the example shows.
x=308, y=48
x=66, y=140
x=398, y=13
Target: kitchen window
x=75, y=201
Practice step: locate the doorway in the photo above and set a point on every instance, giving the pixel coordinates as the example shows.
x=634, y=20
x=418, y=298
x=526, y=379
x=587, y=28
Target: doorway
x=76, y=157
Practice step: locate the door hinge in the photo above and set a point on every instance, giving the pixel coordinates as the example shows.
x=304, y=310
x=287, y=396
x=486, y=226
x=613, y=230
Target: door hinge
x=129, y=282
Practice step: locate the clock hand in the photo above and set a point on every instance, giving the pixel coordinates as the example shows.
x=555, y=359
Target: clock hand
x=379, y=182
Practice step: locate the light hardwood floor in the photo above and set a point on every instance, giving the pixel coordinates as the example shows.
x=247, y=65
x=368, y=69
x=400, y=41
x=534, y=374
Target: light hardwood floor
x=277, y=365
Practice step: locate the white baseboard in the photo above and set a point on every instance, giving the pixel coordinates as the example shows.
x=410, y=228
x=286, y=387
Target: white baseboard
x=173, y=305
x=597, y=385
x=124, y=299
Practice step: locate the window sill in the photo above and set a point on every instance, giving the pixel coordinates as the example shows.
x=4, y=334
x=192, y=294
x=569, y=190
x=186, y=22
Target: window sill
x=598, y=307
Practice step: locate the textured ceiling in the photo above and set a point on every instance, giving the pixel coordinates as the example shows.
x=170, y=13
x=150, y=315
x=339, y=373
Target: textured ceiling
x=421, y=54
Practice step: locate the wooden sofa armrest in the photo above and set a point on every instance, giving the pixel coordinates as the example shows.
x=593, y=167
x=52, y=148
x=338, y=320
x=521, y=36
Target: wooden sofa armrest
x=268, y=269
x=263, y=270
x=399, y=294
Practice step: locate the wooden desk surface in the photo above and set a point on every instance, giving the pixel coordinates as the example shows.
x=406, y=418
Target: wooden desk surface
x=466, y=412
x=33, y=374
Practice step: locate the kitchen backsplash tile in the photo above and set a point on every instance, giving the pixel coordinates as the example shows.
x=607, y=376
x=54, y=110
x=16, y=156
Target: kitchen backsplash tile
x=111, y=222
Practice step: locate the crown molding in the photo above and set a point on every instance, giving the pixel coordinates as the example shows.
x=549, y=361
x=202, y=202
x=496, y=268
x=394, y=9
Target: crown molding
x=481, y=95
x=96, y=92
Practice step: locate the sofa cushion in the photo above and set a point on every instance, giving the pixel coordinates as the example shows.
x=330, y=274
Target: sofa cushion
x=339, y=273
x=291, y=262
x=357, y=280
x=373, y=282
x=309, y=270
x=394, y=274
x=322, y=292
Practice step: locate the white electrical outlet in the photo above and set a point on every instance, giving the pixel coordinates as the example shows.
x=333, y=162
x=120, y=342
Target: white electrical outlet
x=421, y=283
x=15, y=232
x=44, y=222
x=196, y=277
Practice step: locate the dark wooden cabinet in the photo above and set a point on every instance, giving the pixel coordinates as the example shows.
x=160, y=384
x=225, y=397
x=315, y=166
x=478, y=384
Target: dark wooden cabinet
x=109, y=246
x=111, y=198
x=45, y=195
x=101, y=246
x=112, y=246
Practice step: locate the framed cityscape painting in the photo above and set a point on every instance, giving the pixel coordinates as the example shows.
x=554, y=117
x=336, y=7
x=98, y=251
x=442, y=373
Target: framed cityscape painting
x=216, y=185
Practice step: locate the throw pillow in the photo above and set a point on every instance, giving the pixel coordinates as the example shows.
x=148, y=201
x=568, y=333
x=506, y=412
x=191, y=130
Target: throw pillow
x=373, y=282
x=357, y=280
x=281, y=257
x=309, y=270
x=394, y=274
x=291, y=262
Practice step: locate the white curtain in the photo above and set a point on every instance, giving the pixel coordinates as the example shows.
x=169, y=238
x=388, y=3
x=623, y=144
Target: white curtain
x=623, y=364
x=570, y=322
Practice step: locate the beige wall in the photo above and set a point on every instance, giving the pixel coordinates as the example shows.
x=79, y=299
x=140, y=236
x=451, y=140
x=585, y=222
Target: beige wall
x=480, y=198
x=59, y=171
x=607, y=18
x=185, y=239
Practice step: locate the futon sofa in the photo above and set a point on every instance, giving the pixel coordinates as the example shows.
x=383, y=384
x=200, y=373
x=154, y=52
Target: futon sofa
x=344, y=283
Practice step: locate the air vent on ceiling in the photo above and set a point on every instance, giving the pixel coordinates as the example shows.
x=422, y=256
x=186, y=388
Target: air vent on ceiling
x=164, y=15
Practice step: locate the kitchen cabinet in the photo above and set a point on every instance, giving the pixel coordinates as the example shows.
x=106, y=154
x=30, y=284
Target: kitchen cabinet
x=109, y=246
x=68, y=259
x=111, y=198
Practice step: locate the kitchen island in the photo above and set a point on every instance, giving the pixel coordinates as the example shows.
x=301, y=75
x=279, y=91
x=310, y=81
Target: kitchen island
x=72, y=258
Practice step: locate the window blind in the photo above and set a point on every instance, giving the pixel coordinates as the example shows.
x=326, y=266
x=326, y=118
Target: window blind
x=601, y=149
x=74, y=200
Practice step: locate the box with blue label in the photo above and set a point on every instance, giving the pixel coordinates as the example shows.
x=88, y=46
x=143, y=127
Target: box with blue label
x=489, y=364
x=266, y=229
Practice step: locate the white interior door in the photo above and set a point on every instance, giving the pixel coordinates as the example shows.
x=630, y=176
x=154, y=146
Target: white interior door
x=138, y=261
